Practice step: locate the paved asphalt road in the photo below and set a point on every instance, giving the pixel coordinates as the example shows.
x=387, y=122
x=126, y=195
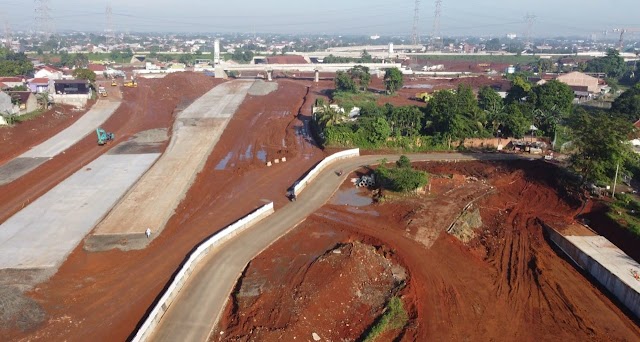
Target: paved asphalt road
x=199, y=305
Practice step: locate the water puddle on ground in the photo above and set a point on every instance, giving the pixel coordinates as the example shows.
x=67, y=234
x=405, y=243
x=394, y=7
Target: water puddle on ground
x=247, y=154
x=223, y=163
x=352, y=197
x=262, y=155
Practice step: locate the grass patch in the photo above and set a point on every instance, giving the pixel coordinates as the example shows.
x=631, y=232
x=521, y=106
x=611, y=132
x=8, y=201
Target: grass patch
x=348, y=100
x=626, y=211
x=28, y=116
x=395, y=317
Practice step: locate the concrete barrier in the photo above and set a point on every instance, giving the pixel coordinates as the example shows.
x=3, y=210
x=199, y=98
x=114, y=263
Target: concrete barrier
x=150, y=323
x=297, y=188
x=606, y=263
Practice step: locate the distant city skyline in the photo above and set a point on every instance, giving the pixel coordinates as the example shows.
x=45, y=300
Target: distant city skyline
x=357, y=17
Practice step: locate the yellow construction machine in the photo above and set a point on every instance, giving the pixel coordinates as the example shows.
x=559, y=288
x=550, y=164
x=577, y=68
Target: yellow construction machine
x=131, y=84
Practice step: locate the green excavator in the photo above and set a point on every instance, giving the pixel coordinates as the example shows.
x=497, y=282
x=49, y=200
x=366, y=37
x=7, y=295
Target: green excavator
x=104, y=136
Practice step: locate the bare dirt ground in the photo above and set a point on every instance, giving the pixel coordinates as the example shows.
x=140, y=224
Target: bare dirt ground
x=22, y=136
x=103, y=296
x=506, y=283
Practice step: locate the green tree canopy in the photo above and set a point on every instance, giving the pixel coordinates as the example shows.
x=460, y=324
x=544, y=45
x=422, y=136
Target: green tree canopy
x=401, y=178
x=600, y=141
x=489, y=99
x=405, y=120
x=612, y=64
x=375, y=130
x=344, y=82
x=627, y=105
x=361, y=75
x=393, y=80
x=520, y=89
x=84, y=74
x=14, y=64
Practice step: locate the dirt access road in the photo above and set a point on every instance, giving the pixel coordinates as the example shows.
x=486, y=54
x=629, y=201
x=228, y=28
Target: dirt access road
x=201, y=302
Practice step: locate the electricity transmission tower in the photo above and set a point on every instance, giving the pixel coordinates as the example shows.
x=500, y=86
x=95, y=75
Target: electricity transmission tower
x=43, y=21
x=530, y=19
x=415, y=37
x=436, y=39
x=7, y=35
x=110, y=34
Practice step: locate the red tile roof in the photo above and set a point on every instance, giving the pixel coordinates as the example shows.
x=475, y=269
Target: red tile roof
x=290, y=59
x=96, y=67
x=10, y=79
x=41, y=80
x=2, y=85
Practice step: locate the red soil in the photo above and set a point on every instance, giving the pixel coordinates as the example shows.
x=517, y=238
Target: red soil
x=103, y=296
x=506, y=284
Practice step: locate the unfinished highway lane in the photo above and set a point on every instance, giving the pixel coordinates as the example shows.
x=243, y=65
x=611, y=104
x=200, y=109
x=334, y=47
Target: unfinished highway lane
x=38, y=238
x=153, y=200
x=201, y=301
x=55, y=145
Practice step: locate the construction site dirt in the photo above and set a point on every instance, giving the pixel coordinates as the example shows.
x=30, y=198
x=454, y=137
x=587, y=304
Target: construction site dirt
x=103, y=296
x=506, y=283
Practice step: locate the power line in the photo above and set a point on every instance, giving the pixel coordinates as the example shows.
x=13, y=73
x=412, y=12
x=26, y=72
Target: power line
x=530, y=20
x=43, y=21
x=415, y=38
x=436, y=25
x=109, y=32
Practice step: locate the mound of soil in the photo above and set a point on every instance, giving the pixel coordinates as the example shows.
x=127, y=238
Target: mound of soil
x=336, y=295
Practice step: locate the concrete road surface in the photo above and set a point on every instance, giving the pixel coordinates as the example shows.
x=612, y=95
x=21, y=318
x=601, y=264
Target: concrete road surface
x=41, y=235
x=199, y=305
x=55, y=145
x=154, y=199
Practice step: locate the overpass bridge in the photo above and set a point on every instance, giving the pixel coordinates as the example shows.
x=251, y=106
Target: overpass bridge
x=221, y=70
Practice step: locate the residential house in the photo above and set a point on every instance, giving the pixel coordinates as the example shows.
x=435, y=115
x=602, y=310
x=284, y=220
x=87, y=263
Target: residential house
x=580, y=79
x=138, y=60
x=6, y=106
x=71, y=92
x=71, y=87
x=49, y=72
x=38, y=85
x=11, y=82
x=25, y=101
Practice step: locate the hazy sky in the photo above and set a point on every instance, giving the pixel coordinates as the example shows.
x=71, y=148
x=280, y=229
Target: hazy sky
x=459, y=17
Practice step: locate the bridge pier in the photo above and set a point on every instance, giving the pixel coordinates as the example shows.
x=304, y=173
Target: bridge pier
x=316, y=77
x=269, y=75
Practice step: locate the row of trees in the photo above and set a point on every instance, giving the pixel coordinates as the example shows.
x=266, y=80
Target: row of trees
x=358, y=79
x=12, y=64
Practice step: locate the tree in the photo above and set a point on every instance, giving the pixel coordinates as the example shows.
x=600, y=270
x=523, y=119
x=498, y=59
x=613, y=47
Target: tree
x=187, y=59
x=393, y=80
x=627, y=105
x=361, y=75
x=493, y=45
x=365, y=57
x=405, y=120
x=403, y=161
x=344, y=82
x=600, y=141
x=84, y=74
x=80, y=60
x=489, y=99
x=14, y=64
x=374, y=130
x=612, y=64
x=520, y=89
x=552, y=94
x=327, y=116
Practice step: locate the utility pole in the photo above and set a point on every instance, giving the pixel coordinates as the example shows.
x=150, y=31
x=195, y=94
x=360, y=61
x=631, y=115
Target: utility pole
x=415, y=37
x=435, y=35
x=43, y=21
x=615, y=180
x=109, y=32
x=530, y=19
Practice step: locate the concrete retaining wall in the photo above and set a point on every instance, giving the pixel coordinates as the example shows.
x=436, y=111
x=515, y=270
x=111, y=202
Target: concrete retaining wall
x=72, y=100
x=623, y=291
x=297, y=189
x=149, y=325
